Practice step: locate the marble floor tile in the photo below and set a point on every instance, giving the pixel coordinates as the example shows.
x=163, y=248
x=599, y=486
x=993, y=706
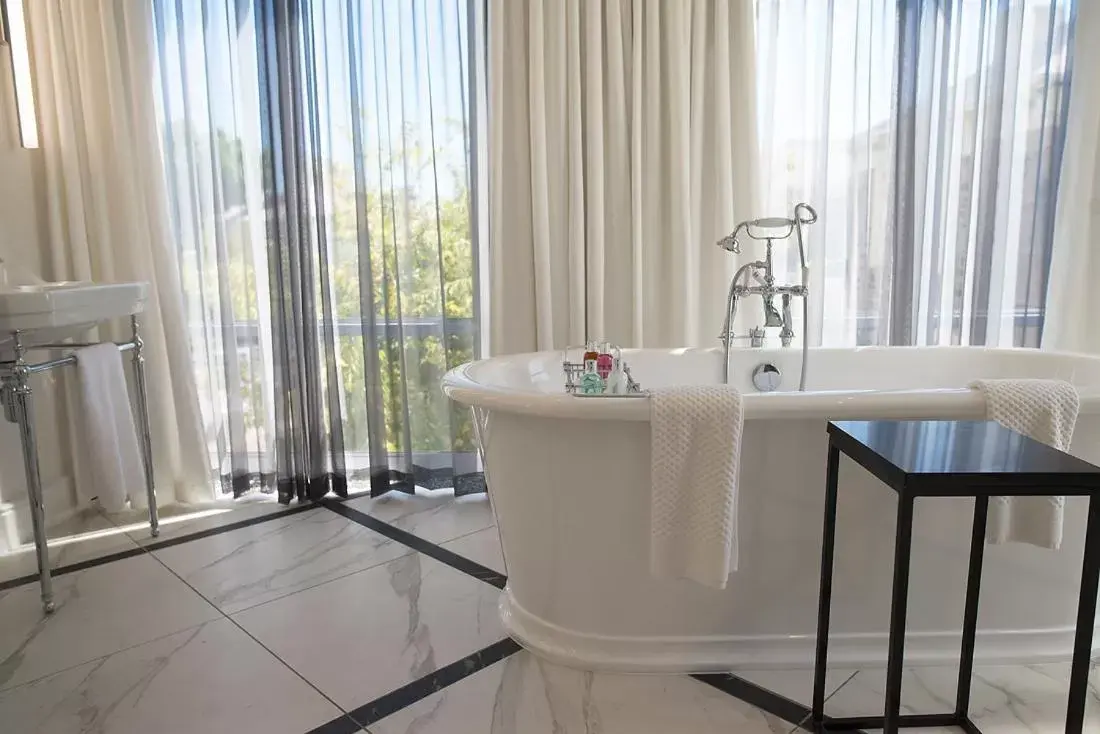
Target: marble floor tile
x=435, y=515
x=100, y=610
x=242, y=568
x=210, y=678
x=85, y=536
x=1003, y=699
x=364, y=635
x=525, y=694
x=181, y=519
x=481, y=547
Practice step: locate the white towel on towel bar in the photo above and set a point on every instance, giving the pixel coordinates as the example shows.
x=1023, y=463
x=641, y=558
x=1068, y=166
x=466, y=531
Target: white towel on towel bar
x=695, y=456
x=112, y=463
x=1045, y=410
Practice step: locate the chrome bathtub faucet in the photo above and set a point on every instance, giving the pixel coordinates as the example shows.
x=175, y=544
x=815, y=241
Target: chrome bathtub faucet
x=757, y=278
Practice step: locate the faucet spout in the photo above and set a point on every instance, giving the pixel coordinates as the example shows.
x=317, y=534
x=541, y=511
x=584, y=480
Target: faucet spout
x=786, y=334
x=771, y=315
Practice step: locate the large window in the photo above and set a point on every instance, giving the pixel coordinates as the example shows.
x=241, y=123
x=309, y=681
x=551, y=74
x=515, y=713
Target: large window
x=319, y=160
x=929, y=134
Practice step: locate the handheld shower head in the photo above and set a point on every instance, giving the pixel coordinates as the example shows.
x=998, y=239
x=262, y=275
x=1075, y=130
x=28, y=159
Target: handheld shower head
x=729, y=242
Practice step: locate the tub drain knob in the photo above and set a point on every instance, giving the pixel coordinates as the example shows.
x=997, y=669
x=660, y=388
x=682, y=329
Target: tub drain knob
x=766, y=377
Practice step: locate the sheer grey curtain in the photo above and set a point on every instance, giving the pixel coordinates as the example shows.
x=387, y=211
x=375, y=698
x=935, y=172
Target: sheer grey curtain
x=318, y=155
x=930, y=133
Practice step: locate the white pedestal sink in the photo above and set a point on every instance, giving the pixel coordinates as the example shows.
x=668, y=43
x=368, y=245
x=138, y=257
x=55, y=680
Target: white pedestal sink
x=35, y=314
x=50, y=312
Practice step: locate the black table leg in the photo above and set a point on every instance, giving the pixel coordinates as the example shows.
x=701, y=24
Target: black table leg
x=825, y=590
x=970, y=613
x=898, y=601
x=1086, y=618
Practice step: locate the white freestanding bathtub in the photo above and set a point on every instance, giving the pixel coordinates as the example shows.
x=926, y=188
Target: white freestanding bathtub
x=569, y=484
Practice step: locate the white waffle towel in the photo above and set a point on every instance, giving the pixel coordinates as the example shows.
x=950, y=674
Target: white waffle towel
x=1045, y=410
x=695, y=455
x=112, y=462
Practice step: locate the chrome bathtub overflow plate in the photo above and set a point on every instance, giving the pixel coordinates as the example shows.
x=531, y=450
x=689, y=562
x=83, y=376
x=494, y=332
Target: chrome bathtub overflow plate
x=766, y=377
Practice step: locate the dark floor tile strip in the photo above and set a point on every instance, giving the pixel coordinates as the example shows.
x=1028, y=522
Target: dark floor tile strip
x=423, y=687
x=428, y=548
x=342, y=725
x=72, y=567
x=157, y=545
x=761, y=698
x=764, y=699
x=246, y=523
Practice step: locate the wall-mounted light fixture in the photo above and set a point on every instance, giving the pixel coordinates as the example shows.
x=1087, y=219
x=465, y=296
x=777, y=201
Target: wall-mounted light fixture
x=13, y=36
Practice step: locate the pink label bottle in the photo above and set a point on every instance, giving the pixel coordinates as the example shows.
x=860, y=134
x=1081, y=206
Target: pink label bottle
x=604, y=361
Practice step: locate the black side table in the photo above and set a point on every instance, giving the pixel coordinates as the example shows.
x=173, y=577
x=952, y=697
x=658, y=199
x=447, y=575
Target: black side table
x=978, y=459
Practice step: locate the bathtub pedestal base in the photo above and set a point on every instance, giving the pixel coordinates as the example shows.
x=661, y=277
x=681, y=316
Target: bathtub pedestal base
x=721, y=654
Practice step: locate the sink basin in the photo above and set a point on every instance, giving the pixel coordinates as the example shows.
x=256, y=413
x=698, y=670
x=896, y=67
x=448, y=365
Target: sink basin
x=50, y=312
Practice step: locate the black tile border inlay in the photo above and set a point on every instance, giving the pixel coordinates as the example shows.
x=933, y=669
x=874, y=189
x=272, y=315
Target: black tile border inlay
x=439, y=553
x=766, y=700
x=32, y=578
x=754, y=695
x=420, y=688
x=246, y=523
x=157, y=545
x=343, y=724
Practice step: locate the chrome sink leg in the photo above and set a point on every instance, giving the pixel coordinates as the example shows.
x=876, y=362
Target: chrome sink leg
x=138, y=361
x=24, y=416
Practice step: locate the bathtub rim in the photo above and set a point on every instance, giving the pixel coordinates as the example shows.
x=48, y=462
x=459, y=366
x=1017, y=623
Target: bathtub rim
x=956, y=403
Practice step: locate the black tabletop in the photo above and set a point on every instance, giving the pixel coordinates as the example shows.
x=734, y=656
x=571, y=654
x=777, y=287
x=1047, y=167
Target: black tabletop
x=961, y=458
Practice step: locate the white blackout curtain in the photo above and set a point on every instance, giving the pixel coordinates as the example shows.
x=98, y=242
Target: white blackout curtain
x=621, y=148
x=1070, y=322
x=107, y=210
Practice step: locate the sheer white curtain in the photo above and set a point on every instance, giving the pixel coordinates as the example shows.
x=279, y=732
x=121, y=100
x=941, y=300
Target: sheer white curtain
x=319, y=162
x=1075, y=271
x=929, y=135
x=106, y=205
x=621, y=149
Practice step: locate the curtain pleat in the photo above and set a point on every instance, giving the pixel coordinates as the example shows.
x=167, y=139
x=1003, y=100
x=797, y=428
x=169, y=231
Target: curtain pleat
x=319, y=157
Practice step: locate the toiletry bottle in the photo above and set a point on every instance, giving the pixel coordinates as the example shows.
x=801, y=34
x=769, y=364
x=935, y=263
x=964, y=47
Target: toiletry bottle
x=591, y=382
x=590, y=352
x=616, y=384
x=604, y=361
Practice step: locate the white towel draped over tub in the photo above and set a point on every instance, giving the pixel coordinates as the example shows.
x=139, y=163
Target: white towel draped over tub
x=1045, y=410
x=695, y=446
x=110, y=452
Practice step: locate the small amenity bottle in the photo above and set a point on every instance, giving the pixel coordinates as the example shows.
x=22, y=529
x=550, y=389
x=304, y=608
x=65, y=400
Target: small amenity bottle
x=604, y=361
x=590, y=352
x=614, y=380
x=591, y=382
